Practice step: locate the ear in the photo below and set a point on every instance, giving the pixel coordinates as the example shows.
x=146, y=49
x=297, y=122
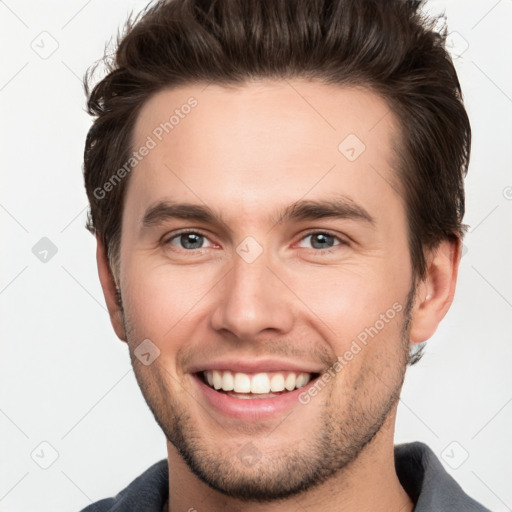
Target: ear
x=109, y=290
x=434, y=294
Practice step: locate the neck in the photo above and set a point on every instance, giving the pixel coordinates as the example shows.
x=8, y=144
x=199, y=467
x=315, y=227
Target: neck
x=369, y=483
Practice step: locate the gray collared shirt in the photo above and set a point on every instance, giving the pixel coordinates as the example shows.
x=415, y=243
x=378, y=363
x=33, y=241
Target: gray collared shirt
x=420, y=472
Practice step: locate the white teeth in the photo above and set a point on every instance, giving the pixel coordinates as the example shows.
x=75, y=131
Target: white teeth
x=228, y=383
x=242, y=383
x=217, y=379
x=243, y=397
x=302, y=380
x=258, y=383
x=289, y=383
x=277, y=382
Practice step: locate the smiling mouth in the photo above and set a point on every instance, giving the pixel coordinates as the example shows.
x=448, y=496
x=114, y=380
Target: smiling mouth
x=255, y=385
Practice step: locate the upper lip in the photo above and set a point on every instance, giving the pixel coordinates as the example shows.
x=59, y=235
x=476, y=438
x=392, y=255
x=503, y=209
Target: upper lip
x=256, y=366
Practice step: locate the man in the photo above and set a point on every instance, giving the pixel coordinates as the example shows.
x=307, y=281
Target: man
x=276, y=188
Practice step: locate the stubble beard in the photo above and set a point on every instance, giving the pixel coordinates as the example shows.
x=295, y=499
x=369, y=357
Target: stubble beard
x=338, y=440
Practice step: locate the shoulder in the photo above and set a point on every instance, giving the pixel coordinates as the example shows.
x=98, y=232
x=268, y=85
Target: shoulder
x=428, y=483
x=147, y=492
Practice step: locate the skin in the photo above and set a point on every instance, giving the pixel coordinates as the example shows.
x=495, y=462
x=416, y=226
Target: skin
x=246, y=152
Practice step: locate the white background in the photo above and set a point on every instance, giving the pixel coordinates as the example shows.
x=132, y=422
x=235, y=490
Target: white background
x=66, y=379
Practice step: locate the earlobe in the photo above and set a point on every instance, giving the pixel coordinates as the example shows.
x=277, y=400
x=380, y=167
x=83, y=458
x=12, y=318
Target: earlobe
x=434, y=295
x=109, y=290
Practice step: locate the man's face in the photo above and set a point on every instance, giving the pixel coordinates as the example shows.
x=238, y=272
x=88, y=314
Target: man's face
x=265, y=288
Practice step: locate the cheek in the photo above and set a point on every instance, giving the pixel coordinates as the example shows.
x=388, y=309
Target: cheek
x=160, y=298
x=350, y=299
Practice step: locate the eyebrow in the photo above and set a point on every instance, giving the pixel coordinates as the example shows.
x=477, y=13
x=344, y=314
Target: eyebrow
x=342, y=207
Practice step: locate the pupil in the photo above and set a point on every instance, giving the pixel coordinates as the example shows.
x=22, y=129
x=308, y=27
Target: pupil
x=191, y=240
x=323, y=238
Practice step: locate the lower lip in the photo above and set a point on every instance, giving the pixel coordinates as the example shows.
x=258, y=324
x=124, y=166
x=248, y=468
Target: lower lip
x=253, y=409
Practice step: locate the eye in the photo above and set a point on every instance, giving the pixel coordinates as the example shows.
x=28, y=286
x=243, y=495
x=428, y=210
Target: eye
x=323, y=241
x=187, y=240
x=194, y=240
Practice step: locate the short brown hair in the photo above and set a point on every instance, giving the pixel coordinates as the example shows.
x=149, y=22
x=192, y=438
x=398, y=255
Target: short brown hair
x=388, y=46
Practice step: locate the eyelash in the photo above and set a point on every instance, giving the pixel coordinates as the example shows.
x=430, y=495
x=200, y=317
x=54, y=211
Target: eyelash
x=310, y=233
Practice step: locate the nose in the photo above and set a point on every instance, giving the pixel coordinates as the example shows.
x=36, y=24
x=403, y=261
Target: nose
x=254, y=298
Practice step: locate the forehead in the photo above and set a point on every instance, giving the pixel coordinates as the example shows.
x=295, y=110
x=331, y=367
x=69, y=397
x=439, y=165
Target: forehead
x=262, y=144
